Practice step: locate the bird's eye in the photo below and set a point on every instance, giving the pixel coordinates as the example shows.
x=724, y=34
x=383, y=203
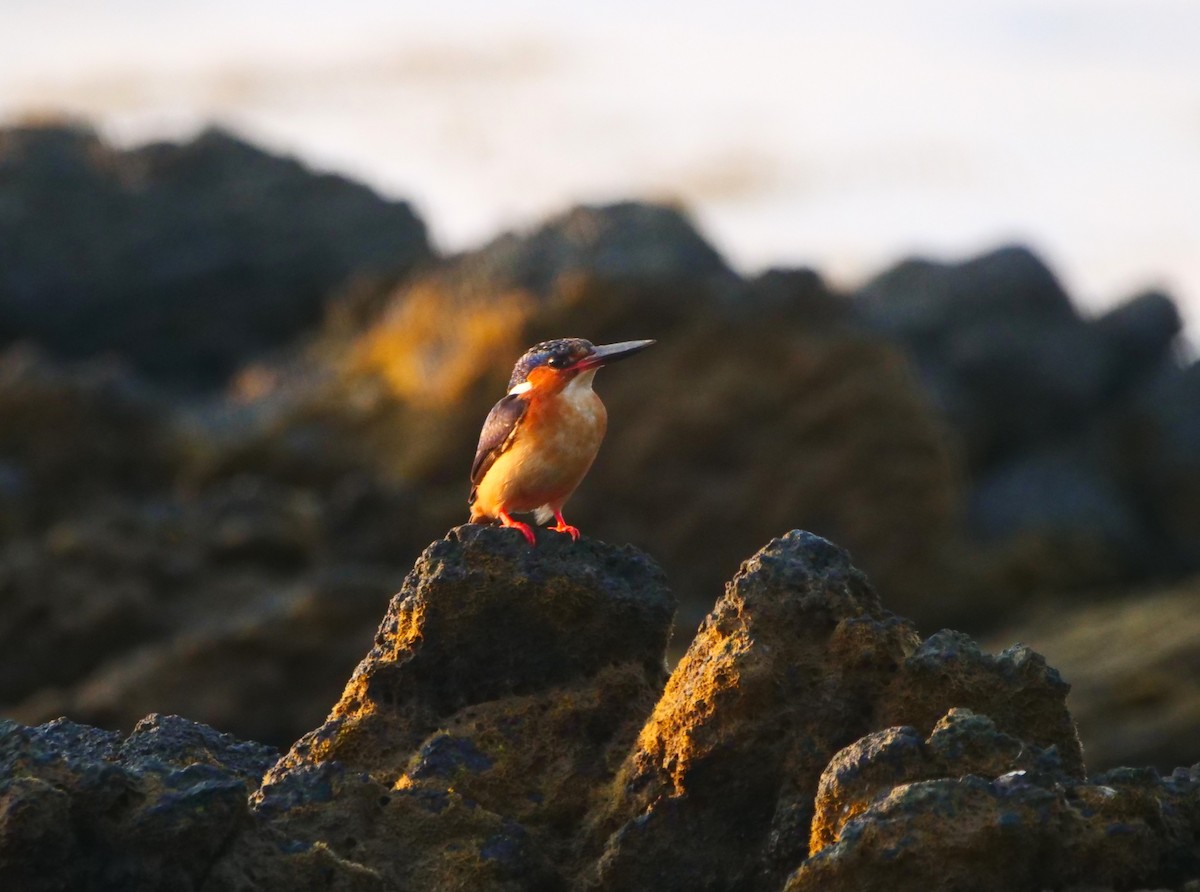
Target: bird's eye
x=557, y=362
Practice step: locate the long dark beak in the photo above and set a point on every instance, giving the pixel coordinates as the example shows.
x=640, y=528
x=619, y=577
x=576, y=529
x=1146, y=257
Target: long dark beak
x=609, y=353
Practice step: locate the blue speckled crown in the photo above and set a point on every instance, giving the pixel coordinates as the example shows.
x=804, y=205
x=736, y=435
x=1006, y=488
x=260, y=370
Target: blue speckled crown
x=564, y=350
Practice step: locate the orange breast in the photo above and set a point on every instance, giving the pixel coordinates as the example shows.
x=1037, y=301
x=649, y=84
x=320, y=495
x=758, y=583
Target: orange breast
x=558, y=440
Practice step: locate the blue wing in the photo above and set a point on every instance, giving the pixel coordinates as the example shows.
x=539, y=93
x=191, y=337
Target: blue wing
x=496, y=436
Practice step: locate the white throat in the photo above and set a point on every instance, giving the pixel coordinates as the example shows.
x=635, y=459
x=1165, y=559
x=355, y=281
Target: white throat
x=581, y=382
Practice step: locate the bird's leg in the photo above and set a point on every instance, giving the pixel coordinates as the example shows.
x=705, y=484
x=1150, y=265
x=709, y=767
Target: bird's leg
x=526, y=530
x=563, y=527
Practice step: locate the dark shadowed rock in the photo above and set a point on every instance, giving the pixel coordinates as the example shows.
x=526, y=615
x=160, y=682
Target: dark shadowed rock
x=246, y=605
x=923, y=301
x=265, y=665
x=66, y=437
x=1141, y=333
x=623, y=242
x=1162, y=437
x=1004, y=354
x=1065, y=492
x=186, y=260
x=81, y=808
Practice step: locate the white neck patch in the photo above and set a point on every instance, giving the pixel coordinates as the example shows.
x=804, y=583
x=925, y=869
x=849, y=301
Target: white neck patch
x=582, y=381
x=523, y=387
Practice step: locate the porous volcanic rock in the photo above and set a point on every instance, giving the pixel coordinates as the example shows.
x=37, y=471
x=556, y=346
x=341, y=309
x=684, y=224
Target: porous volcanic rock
x=797, y=660
x=505, y=685
x=483, y=616
x=972, y=808
x=82, y=808
x=186, y=260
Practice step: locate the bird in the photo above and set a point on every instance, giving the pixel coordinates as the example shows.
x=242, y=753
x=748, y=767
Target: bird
x=540, y=439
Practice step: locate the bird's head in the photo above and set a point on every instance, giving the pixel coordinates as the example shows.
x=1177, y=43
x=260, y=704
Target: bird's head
x=552, y=365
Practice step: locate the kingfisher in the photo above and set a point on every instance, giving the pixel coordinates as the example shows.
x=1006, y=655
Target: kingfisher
x=540, y=439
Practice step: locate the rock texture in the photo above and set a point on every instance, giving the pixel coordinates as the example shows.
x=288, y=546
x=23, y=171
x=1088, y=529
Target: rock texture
x=82, y=808
x=797, y=660
x=973, y=808
x=504, y=687
x=513, y=728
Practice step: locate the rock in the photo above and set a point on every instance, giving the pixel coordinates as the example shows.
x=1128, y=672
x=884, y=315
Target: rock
x=962, y=743
x=186, y=260
x=267, y=667
x=1161, y=437
x=622, y=242
x=780, y=675
x=1142, y=333
x=1004, y=354
x=82, y=808
x=504, y=686
x=922, y=301
x=245, y=606
x=1064, y=492
x=797, y=660
x=1016, y=689
x=490, y=740
x=898, y=813
x=67, y=433
x=483, y=616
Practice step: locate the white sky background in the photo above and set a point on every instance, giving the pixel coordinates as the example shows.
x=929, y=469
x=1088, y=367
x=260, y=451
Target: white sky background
x=841, y=136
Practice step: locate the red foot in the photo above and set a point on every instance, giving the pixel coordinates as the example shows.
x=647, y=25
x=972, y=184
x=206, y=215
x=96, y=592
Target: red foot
x=563, y=527
x=525, y=529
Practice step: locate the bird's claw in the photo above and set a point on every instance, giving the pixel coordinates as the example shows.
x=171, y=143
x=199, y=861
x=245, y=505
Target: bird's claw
x=563, y=527
x=571, y=531
x=525, y=529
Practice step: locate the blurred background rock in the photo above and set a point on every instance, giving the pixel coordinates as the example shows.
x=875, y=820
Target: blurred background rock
x=238, y=397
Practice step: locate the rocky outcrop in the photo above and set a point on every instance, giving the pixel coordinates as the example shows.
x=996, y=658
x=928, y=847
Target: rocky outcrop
x=186, y=260
x=504, y=687
x=1004, y=352
x=513, y=728
x=973, y=808
x=797, y=660
x=82, y=808
x=1070, y=426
